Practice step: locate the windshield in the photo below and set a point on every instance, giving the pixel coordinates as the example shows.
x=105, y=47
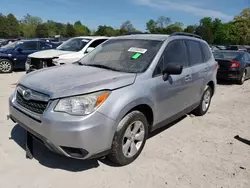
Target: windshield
x=11, y=45
x=227, y=55
x=74, y=44
x=124, y=55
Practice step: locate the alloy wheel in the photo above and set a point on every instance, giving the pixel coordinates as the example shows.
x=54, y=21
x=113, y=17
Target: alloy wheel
x=133, y=139
x=5, y=66
x=206, y=100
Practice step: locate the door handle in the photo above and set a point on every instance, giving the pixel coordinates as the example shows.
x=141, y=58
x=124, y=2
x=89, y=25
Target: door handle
x=206, y=70
x=188, y=78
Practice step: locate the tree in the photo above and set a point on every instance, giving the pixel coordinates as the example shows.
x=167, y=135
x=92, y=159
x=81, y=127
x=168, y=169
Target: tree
x=81, y=30
x=242, y=23
x=160, y=25
x=127, y=27
x=205, y=29
x=176, y=27
x=29, y=24
x=13, y=28
x=190, y=29
x=151, y=26
x=42, y=30
x=70, y=30
x=106, y=31
x=163, y=22
x=3, y=26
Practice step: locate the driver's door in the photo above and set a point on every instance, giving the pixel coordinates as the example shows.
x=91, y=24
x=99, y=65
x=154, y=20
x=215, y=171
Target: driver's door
x=22, y=52
x=173, y=95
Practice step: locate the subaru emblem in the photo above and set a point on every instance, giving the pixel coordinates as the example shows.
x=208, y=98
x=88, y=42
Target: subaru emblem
x=27, y=94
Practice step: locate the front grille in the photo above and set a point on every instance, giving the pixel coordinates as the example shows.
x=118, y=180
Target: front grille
x=32, y=105
x=41, y=63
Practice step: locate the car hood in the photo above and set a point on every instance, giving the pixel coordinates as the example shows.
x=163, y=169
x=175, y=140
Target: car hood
x=49, y=53
x=74, y=79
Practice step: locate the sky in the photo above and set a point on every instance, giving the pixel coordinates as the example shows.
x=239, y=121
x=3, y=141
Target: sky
x=114, y=12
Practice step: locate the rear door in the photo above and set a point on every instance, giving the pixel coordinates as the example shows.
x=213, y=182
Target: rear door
x=173, y=95
x=27, y=48
x=199, y=69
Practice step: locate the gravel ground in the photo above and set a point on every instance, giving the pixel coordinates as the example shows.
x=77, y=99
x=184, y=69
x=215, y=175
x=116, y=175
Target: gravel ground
x=195, y=152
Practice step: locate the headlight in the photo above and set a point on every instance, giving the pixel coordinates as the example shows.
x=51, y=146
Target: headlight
x=82, y=105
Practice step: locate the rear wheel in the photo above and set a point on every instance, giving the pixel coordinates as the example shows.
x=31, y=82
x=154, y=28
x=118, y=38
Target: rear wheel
x=6, y=66
x=204, y=103
x=243, y=78
x=130, y=139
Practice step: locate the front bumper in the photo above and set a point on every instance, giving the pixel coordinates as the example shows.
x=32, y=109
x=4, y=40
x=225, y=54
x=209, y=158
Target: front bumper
x=66, y=134
x=228, y=75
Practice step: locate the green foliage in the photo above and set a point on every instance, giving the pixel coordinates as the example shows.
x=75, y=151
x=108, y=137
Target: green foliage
x=242, y=23
x=70, y=30
x=3, y=26
x=163, y=26
x=12, y=26
x=81, y=30
x=214, y=31
x=28, y=26
x=104, y=30
x=190, y=29
x=42, y=30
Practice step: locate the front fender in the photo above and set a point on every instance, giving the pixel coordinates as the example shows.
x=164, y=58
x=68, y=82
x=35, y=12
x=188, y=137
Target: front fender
x=133, y=104
x=123, y=100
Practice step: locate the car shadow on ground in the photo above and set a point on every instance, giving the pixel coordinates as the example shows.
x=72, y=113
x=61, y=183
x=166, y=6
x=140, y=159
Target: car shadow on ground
x=225, y=82
x=50, y=159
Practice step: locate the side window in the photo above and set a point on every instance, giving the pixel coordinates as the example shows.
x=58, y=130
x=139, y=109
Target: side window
x=246, y=57
x=195, y=53
x=29, y=46
x=206, y=52
x=97, y=42
x=175, y=52
x=44, y=45
x=159, y=68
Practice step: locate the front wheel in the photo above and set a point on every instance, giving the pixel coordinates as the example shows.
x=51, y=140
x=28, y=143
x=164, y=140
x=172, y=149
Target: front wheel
x=204, y=103
x=6, y=66
x=130, y=138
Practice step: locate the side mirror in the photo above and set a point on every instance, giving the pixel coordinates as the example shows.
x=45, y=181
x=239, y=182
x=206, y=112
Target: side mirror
x=89, y=49
x=19, y=49
x=172, y=69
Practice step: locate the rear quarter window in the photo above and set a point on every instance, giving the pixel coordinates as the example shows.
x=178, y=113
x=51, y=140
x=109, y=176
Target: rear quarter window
x=195, y=53
x=206, y=51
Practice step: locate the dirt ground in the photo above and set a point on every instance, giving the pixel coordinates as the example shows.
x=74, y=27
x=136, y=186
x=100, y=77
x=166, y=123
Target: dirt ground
x=196, y=152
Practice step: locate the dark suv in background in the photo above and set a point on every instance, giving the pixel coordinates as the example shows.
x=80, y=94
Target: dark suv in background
x=14, y=55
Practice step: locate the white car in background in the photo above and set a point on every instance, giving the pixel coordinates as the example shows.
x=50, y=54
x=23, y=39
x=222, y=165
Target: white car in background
x=70, y=51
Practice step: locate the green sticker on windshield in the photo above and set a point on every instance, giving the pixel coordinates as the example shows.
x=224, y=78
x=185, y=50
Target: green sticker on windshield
x=136, y=56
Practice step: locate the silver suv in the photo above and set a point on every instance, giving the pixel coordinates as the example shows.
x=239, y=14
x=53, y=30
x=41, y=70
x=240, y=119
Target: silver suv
x=107, y=103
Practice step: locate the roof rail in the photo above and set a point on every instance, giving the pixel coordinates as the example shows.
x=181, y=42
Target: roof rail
x=185, y=34
x=135, y=32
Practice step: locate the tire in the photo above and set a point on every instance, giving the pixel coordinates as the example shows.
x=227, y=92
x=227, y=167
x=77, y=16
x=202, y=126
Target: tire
x=6, y=66
x=243, y=78
x=123, y=151
x=205, y=102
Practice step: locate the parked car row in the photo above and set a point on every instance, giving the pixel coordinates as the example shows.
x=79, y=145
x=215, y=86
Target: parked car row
x=233, y=65
x=21, y=54
x=108, y=102
x=70, y=51
x=14, y=55
x=230, y=47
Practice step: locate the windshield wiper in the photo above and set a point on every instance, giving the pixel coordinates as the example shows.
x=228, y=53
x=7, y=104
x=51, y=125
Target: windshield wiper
x=99, y=66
